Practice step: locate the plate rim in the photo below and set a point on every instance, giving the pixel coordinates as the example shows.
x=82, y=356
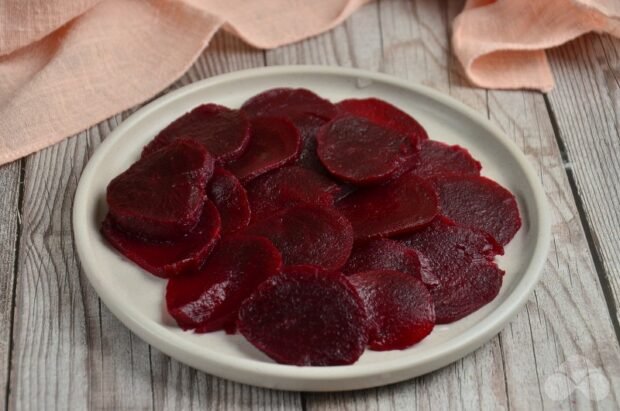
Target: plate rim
x=318, y=378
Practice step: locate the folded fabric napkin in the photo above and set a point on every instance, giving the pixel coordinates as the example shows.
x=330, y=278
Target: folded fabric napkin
x=68, y=64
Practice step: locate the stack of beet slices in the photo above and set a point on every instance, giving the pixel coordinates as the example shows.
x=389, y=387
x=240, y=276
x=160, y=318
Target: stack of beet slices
x=315, y=230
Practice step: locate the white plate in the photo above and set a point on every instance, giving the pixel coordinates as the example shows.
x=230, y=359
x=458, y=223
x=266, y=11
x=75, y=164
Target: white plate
x=137, y=298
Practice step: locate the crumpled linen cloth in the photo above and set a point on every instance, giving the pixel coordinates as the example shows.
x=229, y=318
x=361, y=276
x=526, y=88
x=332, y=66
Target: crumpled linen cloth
x=68, y=64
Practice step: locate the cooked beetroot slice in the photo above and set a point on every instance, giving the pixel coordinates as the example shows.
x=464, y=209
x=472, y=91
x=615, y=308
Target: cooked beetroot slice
x=360, y=152
x=209, y=299
x=481, y=203
x=398, y=207
x=306, y=316
x=462, y=260
x=161, y=196
x=224, y=132
x=274, y=142
x=385, y=115
x=308, y=234
x=436, y=158
x=400, y=309
x=230, y=199
x=169, y=259
x=385, y=254
x=287, y=187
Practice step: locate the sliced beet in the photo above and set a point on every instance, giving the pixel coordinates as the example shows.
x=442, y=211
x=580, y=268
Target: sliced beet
x=385, y=254
x=385, y=115
x=224, y=132
x=400, y=309
x=479, y=202
x=360, y=152
x=287, y=187
x=231, y=200
x=462, y=260
x=161, y=196
x=306, y=316
x=308, y=234
x=274, y=142
x=403, y=205
x=209, y=299
x=169, y=259
x=436, y=158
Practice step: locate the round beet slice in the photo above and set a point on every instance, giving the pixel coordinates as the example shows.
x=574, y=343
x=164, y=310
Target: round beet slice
x=385, y=254
x=274, y=142
x=436, y=158
x=169, y=259
x=231, y=200
x=403, y=205
x=462, y=260
x=224, y=132
x=306, y=316
x=208, y=300
x=385, y=115
x=289, y=186
x=161, y=196
x=360, y=152
x=308, y=234
x=479, y=202
x=400, y=309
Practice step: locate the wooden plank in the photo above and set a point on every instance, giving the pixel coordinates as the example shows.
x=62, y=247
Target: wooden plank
x=586, y=106
x=566, y=315
x=9, y=225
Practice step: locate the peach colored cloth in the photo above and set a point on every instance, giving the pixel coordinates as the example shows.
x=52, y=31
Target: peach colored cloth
x=501, y=43
x=68, y=64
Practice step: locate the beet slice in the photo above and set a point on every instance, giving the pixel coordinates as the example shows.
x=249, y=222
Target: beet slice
x=308, y=234
x=400, y=309
x=274, y=142
x=401, y=206
x=385, y=254
x=161, y=196
x=436, y=158
x=169, y=259
x=385, y=115
x=462, y=260
x=287, y=187
x=360, y=152
x=481, y=203
x=209, y=299
x=231, y=200
x=304, y=108
x=306, y=316
x=224, y=132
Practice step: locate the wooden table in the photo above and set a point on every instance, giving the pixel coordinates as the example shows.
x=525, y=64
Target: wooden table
x=61, y=348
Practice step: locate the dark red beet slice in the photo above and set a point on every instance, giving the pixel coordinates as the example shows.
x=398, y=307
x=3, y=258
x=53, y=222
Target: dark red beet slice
x=209, y=299
x=286, y=187
x=274, y=142
x=304, y=108
x=169, y=259
x=385, y=254
x=481, y=203
x=438, y=158
x=400, y=309
x=360, y=152
x=401, y=206
x=306, y=317
x=385, y=115
x=161, y=196
x=231, y=200
x=308, y=234
x=462, y=260
x=223, y=131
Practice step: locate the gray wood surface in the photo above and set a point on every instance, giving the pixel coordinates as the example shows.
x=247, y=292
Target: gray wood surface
x=60, y=348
